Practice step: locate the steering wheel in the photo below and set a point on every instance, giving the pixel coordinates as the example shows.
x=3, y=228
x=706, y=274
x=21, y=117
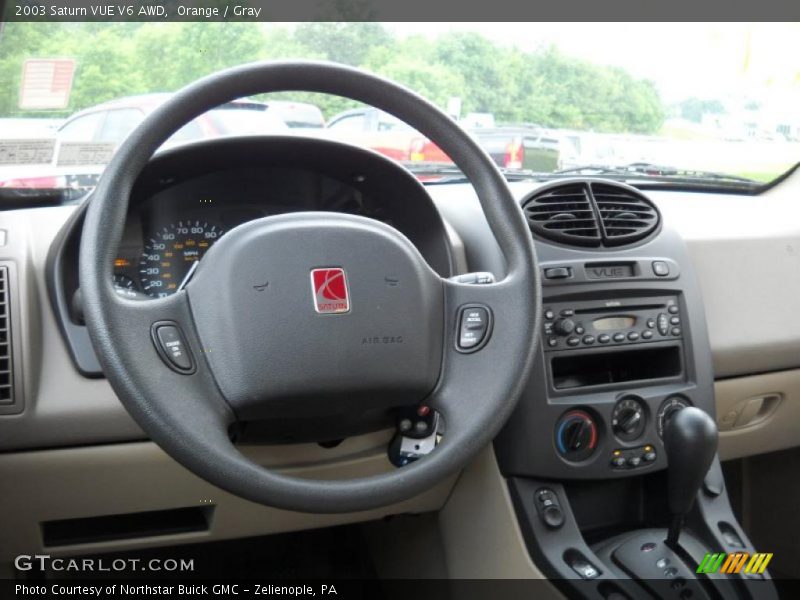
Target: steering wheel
x=189, y=366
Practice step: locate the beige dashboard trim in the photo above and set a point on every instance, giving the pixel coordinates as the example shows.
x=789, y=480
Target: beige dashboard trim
x=127, y=478
x=776, y=430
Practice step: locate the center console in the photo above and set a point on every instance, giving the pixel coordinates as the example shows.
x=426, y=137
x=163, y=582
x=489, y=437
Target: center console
x=624, y=349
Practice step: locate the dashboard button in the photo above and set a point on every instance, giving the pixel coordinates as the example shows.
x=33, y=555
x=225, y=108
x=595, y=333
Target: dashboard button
x=619, y=337
x=663, y=324
x=618, y=462
x=660, y=268
x=588, y=339
x=651, y=323
x=580, y=330
x=549, y=314
x=172, y=347
x=647, y=334
x=552, y=342
x=633, y=336
x=558, y=273
x=634, y=461
x=603, y=338
x=573, y=341
x=567, y=312
x=672, y=309
x=675, y=321
x=676, y=331
x=650, y=456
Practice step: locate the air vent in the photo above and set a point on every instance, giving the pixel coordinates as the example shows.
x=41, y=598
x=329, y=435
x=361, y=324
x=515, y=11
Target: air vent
x=626, y=216
x=564, y=214
x=6, y=364
x=588, y=213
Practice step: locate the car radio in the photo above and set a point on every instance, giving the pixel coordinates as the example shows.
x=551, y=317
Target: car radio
x=613, y=322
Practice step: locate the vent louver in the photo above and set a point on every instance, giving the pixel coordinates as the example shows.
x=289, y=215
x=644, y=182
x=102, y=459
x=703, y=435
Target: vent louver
x=564, y=214
x=588, y=213
x=626, y=217
x=6, y=364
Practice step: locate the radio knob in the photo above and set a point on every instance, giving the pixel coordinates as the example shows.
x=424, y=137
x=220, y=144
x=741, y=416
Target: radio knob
x=564, y=326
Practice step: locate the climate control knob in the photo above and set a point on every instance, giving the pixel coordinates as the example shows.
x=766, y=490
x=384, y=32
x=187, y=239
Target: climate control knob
x=564, y=326
x=576, y=435
x=628, y=419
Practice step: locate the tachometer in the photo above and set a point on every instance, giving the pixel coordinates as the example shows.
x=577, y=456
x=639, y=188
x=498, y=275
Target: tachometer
x=169, y=254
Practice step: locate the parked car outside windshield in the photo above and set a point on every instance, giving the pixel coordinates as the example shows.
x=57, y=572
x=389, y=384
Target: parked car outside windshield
x=537, y=97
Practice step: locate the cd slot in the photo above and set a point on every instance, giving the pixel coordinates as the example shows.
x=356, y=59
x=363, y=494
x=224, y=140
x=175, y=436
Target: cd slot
x=608, y=309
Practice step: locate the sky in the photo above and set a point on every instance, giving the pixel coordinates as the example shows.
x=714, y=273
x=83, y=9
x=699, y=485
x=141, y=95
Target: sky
x=706, y=60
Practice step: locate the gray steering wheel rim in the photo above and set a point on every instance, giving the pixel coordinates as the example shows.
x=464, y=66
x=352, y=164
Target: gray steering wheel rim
x=476, y=404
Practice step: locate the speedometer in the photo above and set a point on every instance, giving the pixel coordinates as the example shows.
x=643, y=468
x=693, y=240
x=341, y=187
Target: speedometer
x=169, y=254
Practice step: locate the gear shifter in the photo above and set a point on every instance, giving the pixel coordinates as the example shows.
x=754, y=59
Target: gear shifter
x=690, y=440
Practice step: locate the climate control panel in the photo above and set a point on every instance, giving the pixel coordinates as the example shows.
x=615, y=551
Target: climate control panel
x=611, y=322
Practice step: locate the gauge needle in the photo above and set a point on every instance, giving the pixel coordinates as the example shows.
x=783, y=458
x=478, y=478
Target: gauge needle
x=186, y=279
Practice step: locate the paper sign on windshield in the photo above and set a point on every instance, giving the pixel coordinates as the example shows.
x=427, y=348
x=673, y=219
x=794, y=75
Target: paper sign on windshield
x=26, y=152
x=84, y=153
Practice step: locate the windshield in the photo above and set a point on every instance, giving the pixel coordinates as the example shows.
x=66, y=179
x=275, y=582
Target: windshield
x=544, y=99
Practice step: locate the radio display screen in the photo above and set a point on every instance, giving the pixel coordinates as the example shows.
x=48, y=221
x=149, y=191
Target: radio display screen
x=609, y=323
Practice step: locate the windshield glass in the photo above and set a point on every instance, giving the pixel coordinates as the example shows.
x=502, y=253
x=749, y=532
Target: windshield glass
x=540, y=98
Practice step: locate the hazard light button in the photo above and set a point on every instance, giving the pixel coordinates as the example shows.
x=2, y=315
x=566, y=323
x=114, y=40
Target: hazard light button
x=474, y=327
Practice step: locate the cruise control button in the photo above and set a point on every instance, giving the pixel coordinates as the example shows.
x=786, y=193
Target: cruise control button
x=647, y=334
x=473, y=327
x=603, y=338
x=172, y=347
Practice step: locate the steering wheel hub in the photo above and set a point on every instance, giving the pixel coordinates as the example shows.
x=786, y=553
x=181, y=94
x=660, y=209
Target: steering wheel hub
x=316, y=313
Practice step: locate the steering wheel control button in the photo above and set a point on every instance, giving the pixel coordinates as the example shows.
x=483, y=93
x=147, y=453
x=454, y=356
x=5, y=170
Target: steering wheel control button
x=549, y=508
x=660, y=268
x=474, y=324
x=171, y=346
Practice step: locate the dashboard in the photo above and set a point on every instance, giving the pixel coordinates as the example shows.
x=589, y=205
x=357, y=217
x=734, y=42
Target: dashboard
x=735, y=268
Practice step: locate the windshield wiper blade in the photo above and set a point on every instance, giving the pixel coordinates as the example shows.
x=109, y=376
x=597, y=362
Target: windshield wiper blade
x=656, y=171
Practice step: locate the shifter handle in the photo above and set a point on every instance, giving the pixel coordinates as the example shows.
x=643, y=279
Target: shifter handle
x=690, y=440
